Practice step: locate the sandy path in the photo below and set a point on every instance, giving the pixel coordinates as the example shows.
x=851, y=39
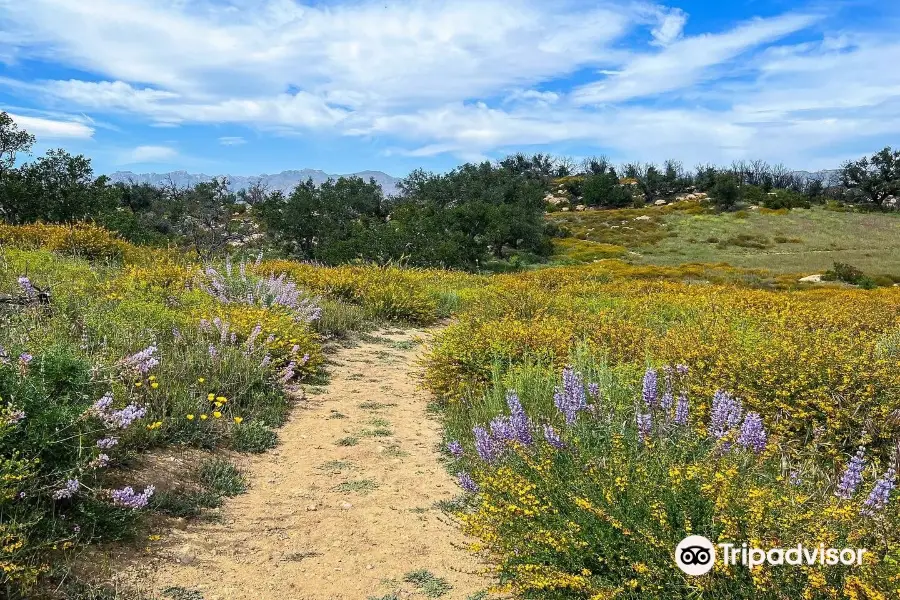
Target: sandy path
x=306, y=529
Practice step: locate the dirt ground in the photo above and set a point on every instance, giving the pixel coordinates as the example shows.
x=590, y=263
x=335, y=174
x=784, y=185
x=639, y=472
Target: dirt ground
x=326, y=518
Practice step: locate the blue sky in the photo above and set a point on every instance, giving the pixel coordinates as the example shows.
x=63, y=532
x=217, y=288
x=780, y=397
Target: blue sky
x=260, y=86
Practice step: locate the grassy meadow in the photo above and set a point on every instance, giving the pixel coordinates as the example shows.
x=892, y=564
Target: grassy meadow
x=801, y=241
x=596, y=412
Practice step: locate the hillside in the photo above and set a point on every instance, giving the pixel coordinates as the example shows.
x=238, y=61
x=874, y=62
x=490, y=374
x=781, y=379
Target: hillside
x=284, y=181
x=803, y=241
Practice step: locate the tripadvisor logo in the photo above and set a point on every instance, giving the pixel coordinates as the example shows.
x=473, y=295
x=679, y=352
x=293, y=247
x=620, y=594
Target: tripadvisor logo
x=696, y=555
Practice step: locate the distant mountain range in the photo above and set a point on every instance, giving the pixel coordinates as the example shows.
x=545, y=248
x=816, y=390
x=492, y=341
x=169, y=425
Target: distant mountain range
x=825, y=175
x=284, y=181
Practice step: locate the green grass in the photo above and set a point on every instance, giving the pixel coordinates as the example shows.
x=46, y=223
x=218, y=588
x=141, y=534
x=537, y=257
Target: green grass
x=801, y=241
x=348, y=441
x=375, y=405
x=360, y=486
x=216, y=479
x=798, y=241
x=335, y=466
x=378, y=432
x=427, y=583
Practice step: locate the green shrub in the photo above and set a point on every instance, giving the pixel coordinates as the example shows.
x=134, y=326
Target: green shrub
x=594, y=506
x=253, y=437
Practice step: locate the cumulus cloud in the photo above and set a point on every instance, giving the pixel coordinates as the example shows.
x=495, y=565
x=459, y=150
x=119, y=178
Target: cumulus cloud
x=232, y=140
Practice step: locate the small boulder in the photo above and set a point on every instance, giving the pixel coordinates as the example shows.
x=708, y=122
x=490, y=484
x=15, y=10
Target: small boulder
x=660, y=202
x=811, y=278
x=642, y=218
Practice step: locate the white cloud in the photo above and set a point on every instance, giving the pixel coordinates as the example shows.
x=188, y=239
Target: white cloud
x=686, y=62
x=53, y=128
x=436, y=77
x=148, y=154
x=232, y=140
x=669, y=28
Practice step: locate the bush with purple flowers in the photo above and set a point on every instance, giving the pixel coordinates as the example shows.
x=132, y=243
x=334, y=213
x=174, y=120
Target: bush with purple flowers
x=576, y=503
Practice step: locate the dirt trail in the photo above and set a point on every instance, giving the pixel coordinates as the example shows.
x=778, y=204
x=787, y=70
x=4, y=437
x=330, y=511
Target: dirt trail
x=324, y=519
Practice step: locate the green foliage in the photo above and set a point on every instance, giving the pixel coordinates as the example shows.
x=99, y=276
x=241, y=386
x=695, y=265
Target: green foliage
x=725, y=192
x=602, y=514
x=873, y=179
x=429, y=584
x=852, y=275
x=604, y=190
x=254, y=436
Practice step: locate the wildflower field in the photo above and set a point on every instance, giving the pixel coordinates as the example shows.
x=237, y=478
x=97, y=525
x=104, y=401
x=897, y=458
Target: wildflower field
x=108, y=350
x=595, y=414
x=598, y=415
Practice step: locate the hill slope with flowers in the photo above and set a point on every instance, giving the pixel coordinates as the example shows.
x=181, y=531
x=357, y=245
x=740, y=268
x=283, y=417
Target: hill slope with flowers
x=697, y=398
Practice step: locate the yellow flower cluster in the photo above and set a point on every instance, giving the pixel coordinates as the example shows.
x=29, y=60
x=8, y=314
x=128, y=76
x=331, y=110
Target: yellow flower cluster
x=815, y=359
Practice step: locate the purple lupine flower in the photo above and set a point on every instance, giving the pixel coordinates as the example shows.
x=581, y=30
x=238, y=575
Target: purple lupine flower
x=213, y=352
x=204, y=325
x=233, y=338
x=101, y=461
x=305, y=359
x=644, y=426
x=4, y=356
x=725, y=414
x=518, y=419
x=142, y=361
x=295, y=349
x=253, y=335
x=466, y=482
x=27, y=287
x=71, y=488
x=570, y=397
x=553, y=438
x=880, y=494
x=753, y=434
x=25, y=359
x=121, y=419
x=270, y=339
x=455, y=449
x=176, y=334
x=502, y=430
x=288, y=372
x=681, y=410
x=594, y=390
x=795, y=478
x=666, y=403
x=682, y=370
x=852, y=475
x=128, y=499
x=266, y=361
x=259, y=258
x=103, y=405
x=651, y=391
x=485, y=445
x=107, y=442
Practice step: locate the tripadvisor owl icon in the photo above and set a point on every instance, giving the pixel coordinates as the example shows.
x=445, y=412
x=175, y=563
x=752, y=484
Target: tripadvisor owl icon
x=695, y=555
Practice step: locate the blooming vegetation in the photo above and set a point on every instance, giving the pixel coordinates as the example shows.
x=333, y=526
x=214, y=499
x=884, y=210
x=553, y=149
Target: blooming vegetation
x=595, y=506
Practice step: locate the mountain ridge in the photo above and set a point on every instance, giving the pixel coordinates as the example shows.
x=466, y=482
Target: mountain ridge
x=284, y=181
